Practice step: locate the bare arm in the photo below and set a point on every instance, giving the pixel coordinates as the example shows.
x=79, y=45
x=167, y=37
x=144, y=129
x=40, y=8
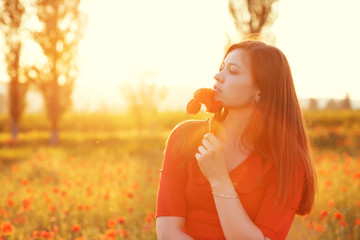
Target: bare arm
x=233, y=218
x=171, y=228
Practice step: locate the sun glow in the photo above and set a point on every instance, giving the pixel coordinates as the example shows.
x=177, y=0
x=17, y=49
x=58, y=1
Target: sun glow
x=179, y=41
x=182, y=42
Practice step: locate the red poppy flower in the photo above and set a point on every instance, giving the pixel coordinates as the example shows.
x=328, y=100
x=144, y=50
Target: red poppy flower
x=110, y=233
x=24, y=182
x=55, y=190
x=26, y=204
x=339, y=216
x=204, y=96
x=150, y=217
x=357, y=222
x=10, y=202
x=319, y=228
x=7, y=228
x=121, y=220
x=343, y=223
x=145, y=228
x=124, y=233
x=324, y=214
x=111, y=223
x=328, y=183
x=36, y=234
x=45, y=234
x=76, y=227
x=52, y=208
x=2, y=212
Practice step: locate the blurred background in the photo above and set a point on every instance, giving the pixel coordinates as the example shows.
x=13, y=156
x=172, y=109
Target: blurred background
x=90, y=90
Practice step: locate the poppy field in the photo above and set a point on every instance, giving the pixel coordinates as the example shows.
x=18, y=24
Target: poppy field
x=103, y=184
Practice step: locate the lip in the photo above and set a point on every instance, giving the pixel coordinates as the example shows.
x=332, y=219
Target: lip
x=216, y=89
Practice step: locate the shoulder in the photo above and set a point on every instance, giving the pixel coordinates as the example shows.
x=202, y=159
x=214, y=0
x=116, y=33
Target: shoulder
x=187, y=127
x=192, y=124
x=186, y=136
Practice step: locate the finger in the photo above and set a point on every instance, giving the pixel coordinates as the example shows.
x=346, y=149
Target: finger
x=206, y=143
x=213, y=139
x=197, y=156
x=208, y=137
x=202, y=149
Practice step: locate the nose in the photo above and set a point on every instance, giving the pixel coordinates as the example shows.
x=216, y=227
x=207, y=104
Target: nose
x=218, y=77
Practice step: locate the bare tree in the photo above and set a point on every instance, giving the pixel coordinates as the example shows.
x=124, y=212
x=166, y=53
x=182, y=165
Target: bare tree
x=143, y=99
x=12, y=12
x=63, y=26
x=252, y=17
x=332, y=105
x=345, y=104
x=3, y=103
x=313, y=104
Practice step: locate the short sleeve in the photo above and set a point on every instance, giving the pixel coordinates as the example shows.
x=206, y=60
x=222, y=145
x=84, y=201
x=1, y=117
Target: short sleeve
x=273, y=222
x=171, y=193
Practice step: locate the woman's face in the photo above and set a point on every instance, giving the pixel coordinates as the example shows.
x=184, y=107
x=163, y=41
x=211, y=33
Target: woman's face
x=234, y=84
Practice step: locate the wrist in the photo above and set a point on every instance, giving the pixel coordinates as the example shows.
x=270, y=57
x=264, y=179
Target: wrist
x=222, y=184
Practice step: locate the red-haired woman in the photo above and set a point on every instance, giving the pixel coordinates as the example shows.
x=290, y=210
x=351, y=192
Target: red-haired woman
x=249, y=178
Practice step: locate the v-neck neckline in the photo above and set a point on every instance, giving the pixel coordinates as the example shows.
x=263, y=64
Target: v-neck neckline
x=242, y=163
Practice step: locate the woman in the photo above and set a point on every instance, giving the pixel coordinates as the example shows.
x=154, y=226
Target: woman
x=249, y=178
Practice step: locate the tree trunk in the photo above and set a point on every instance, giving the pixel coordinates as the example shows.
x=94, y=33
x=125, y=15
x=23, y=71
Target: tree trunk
x=14, y=131
x=54, y=139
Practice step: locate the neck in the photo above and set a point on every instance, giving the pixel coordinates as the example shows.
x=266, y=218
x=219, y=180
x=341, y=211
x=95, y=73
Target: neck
x=234, y=125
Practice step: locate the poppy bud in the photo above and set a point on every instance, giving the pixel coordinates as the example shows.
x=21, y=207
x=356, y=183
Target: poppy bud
x=204, y=96
x=193, y=107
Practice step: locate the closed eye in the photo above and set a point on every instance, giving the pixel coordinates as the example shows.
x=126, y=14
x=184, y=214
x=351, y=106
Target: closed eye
x=231, y=67
x=234, y=70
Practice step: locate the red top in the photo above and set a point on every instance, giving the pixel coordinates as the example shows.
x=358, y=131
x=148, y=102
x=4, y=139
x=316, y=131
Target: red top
x=185, y=192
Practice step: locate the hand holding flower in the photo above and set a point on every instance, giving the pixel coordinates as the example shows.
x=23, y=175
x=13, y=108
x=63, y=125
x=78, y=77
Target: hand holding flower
x=211, y=159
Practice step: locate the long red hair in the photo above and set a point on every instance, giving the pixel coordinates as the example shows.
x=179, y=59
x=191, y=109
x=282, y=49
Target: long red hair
x=276, y=128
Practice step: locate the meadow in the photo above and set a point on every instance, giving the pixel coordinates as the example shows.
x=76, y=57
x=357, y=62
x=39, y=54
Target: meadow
x=101, y=181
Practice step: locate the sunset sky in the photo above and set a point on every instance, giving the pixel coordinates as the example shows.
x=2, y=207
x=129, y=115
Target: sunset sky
x=183, y=43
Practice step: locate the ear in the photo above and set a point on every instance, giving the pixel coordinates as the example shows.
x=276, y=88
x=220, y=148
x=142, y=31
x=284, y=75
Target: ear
x=257, y=96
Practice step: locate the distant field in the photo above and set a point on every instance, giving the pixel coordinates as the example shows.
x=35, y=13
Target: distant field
x=102, y=184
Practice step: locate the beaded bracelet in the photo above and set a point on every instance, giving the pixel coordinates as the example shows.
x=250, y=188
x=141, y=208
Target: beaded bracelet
x=224, y=196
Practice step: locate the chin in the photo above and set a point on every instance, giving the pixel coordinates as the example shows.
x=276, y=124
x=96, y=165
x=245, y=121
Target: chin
x=217, y=97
